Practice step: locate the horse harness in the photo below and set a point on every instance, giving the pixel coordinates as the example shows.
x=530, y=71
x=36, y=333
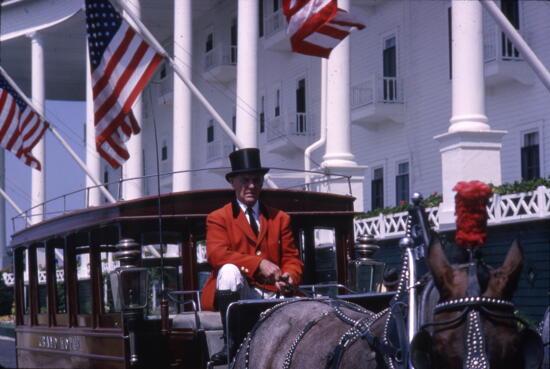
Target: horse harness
x=335, y=310
x=471, y=308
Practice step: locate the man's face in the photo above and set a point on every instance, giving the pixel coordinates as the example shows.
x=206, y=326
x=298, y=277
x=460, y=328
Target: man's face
x=247, y=187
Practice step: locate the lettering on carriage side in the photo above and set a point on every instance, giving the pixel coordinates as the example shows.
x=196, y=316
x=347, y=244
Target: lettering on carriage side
x=69, y=343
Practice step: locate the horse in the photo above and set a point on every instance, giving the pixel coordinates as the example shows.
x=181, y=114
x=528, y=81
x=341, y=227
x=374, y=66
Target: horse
x=466, y=331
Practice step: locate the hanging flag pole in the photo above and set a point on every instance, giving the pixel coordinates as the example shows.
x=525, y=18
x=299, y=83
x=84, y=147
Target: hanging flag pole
x=158, y=48
x=14, y=205
x=518, y=41
x=102, y=188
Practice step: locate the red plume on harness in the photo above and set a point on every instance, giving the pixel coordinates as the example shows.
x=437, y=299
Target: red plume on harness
x=471, y=213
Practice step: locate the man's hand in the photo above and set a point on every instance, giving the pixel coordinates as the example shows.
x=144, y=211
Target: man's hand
x=268, y=272
x=284, y=283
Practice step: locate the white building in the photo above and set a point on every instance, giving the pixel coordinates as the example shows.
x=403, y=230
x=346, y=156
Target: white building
x=400, y=94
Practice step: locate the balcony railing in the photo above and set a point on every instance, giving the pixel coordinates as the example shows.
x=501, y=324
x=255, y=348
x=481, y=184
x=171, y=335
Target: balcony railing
x=387, y=90
x=220, y=56
x=503, y=209
x=219, y=148
x=496, y=46
x=274, y=23
x=296, y=124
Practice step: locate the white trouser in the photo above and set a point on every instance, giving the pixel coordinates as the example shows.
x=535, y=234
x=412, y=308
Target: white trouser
x=230, y=278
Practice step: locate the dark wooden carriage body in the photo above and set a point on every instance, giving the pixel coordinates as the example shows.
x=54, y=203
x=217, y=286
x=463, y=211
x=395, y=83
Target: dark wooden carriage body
x=70, y=325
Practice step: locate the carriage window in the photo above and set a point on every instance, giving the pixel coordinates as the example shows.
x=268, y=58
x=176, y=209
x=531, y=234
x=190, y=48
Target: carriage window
x=60, y=285
x=26, y=290
x=202, y=263
x=42, y=280
x=325, y=255
x=83, y=281
x=108, y=264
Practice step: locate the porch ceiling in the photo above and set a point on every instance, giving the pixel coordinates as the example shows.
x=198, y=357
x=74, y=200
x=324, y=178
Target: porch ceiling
x=65, y=48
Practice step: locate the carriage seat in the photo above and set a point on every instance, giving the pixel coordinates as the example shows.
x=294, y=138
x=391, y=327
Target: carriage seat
x=205, y=320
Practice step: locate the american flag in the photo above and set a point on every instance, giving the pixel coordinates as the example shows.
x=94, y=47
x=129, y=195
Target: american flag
x=20, y=126
x=315, y=27
x=121, y=65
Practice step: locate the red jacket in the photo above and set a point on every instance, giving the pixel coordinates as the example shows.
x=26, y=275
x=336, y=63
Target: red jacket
x=230, y=240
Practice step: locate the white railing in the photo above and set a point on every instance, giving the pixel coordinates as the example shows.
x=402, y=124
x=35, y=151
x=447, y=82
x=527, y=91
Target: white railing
x=274, y=23
x=496, y=46
x=387, y=90
x=296, y=124
x=501, y=209
x=220, y=55
x=213, y=150
x=391, y=225
x=219, y=148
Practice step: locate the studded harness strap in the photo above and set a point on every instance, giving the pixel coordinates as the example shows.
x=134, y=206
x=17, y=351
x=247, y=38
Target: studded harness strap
x=471, y=308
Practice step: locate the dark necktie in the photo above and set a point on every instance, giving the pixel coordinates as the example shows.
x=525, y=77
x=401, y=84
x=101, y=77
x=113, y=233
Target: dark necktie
x=252, y=220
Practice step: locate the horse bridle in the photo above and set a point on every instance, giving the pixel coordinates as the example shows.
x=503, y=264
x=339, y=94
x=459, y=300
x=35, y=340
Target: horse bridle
x=471, y=308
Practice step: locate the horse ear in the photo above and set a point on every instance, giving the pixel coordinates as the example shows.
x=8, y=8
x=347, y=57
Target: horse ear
x=441, y=270
x=504, y=280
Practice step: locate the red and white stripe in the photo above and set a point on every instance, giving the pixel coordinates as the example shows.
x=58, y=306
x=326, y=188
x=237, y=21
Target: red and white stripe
x=125, y=68
x=20, y=131
x=315, y=27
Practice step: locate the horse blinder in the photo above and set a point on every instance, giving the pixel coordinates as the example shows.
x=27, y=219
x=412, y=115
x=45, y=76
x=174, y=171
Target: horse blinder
x=532, y=348
x=421, y=350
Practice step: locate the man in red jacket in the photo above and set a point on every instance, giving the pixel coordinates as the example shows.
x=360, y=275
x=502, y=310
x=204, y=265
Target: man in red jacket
x=249, y=245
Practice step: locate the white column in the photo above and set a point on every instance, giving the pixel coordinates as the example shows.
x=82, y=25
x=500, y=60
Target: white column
x=338, y=158
x=92, y=157
x=338, y=147
x=470, y=150
x=133, y=167
x=247, y=72
x=38, y=186
x=3, y=260
x=182, y=117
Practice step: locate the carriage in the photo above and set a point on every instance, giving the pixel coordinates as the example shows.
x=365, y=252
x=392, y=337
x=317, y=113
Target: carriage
x=73, y=308
x=102, y=287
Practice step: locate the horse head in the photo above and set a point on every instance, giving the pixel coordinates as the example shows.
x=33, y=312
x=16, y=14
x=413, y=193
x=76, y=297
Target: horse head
x=474, y=323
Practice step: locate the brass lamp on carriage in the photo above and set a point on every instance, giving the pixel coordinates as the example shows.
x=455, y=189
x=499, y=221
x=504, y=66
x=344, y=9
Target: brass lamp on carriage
x=365, y=273
x=129, y=286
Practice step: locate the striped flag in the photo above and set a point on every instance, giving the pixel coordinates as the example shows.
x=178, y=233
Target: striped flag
x=121, y=65
x=20, y=126
x=315, y=27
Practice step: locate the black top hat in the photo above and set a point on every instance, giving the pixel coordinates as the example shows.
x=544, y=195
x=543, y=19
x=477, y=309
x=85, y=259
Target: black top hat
x=245, y=161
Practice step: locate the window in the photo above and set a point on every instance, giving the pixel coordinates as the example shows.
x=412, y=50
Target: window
x=106, y=176
x=210, y=131
x=301, y=106
x=209, y=42
x=233, y=41
x=262, y=114
x=261, y=18
x=377, y=189
x=450, y=43
x=530, y=161
x=83, y=277
x=42, y=280
x=163, y=71
x=325, y=255
x=60, y=285
x=276, y=5
x=164, y=151
x=389, y=66
x=277, y=102
x=510, y=8
x=234, y=127
x=402, y=183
